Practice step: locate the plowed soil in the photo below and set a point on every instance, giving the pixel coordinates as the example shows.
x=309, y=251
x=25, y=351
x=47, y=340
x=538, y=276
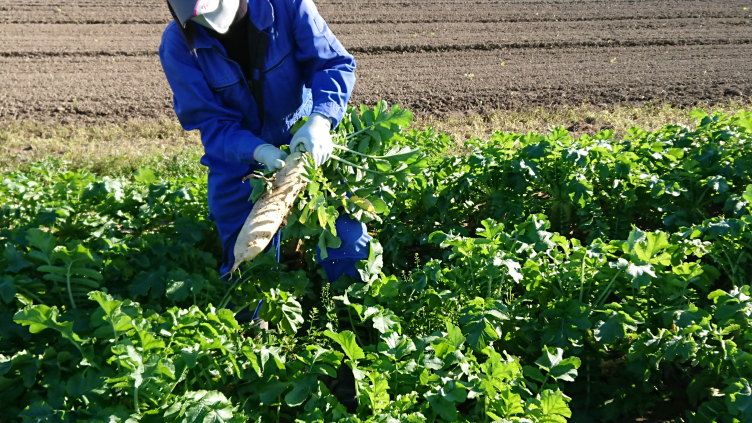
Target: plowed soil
x=91, y=61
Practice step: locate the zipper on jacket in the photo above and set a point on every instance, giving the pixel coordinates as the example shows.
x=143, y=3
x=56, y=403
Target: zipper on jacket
x=279, y=63
x=265, y=72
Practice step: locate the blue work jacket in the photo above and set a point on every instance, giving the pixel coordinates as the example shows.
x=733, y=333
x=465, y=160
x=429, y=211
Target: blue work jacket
x=307, y=70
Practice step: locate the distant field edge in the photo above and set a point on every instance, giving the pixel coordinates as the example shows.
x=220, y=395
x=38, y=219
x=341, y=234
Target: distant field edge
x=116, y=149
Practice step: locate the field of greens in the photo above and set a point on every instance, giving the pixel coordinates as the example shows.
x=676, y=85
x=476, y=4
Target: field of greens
x=530, y=278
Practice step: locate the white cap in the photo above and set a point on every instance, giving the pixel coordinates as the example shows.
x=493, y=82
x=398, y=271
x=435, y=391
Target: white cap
x=215, y=14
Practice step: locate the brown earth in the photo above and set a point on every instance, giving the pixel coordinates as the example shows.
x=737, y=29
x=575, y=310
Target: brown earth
x=89, y=62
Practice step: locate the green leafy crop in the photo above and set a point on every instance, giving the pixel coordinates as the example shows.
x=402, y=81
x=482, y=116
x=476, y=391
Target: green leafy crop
x=539, y=278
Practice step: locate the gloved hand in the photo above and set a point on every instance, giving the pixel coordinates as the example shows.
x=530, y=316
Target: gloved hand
x=315, y=137
x=270, y=156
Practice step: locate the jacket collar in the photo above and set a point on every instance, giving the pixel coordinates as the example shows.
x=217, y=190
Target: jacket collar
x=260, y=12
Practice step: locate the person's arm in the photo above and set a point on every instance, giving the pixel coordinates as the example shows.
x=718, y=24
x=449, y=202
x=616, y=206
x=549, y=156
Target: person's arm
x=328, y=68
x=197, y=107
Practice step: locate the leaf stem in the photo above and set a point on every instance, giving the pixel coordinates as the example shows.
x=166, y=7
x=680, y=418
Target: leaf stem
x=29, y=293
x=135, y=399
x=341, y=160
x=114, y=330
x=366, y=128
x=501, y=283
x=582, y=275
x=234, y=286
x=67, y=280
x=343, y=148
x=730, y=262
x=344, y=179
x=357, y=389
x=472, y=272
x=605, y=291
x=352, y=325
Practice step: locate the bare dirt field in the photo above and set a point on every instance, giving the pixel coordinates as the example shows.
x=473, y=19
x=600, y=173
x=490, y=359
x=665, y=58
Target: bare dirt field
x=90, y=62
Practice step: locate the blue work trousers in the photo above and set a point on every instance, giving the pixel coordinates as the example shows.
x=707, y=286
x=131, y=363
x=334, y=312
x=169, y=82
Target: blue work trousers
x=340, y=261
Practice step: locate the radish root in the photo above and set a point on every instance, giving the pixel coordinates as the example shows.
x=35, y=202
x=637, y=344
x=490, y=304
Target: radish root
x=270, y=210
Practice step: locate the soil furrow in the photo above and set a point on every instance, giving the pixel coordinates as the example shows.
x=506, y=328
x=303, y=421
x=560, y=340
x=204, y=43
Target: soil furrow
x=396, y=20
x=73, y=54
x=376, y=50
x=379, y=50
x=119, y=12
x=92, y=61
x=479, y=82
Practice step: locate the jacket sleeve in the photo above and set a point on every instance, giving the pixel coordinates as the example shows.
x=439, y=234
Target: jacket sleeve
x=327, y=67
x=197, y=106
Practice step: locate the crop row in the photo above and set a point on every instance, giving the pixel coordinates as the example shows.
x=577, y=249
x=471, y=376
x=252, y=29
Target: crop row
x=536, y=276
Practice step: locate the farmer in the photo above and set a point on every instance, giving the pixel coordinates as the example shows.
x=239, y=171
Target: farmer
x=243, y=72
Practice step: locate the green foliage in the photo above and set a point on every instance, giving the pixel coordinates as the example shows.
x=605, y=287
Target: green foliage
x=370, y=164
x=540, y=278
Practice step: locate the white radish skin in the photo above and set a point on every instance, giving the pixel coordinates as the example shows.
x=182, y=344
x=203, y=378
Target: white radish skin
x=270, y=210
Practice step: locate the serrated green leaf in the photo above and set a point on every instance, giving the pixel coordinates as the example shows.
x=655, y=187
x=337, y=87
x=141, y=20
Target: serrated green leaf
x=553, y=403
x=748, y=192
x=454, y=335
x=271, y=390
x=144, y=175
x=42, y=241
x=533, y=373
x=301, y=391
x=40, y=317
x=557, y=366
x=362, y=203
x=376, y=391
x=614, y=327
x=13, y=260
x=327, y=240
x=444, y=408
x=346, y=340
x=7, y=289
x=292, y=316
x=79, y=385
x=259, y=187
x=148, y=341
x=384, y=320
x=203, y=407
x=117, y=321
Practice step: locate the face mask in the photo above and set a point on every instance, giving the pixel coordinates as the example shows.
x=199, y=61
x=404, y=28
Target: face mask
x=201, y=20
x=220, y=19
